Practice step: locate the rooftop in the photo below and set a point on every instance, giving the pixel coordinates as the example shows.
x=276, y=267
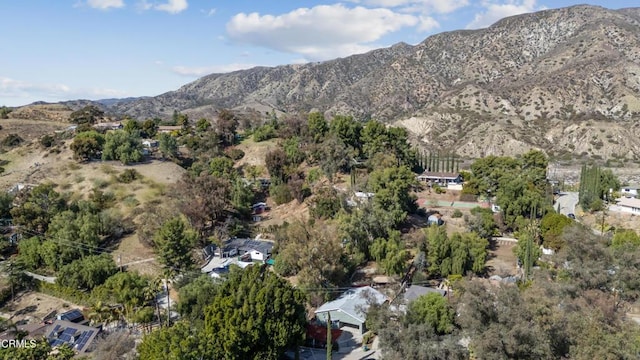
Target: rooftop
x=354, y=302
x=415, y=291
x=628, y=202
x=79, y=337
x=440, y=175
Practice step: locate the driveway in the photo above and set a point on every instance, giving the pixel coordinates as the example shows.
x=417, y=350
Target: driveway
x=567, y=202
x=350, y=343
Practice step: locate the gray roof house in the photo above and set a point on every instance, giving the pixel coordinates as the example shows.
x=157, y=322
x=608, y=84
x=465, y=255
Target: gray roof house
x=415, y=291
x=350, y=308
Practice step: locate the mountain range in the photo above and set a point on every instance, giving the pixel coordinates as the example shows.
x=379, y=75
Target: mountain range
x=566, y=81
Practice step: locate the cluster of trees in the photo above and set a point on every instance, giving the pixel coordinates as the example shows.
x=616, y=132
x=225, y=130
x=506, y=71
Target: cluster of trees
x=576, y=309
x=596, y=186
x=253, y=314
x=518, y=184
x=437, y=162
x=61, y=232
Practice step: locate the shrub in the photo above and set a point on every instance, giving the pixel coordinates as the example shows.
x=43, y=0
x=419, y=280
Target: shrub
x=47, y=140
x=12, y=140
x=457, y=213
x=235, y=154
x=280, y=193
x=264, y=133
x=128, y=176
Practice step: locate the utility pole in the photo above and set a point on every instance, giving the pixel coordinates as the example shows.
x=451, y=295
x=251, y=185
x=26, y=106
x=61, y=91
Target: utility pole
x=329, y=339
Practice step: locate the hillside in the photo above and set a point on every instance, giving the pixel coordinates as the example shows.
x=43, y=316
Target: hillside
x=564, y=80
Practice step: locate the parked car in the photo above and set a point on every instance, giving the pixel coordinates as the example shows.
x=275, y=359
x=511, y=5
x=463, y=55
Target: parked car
x=571, y=216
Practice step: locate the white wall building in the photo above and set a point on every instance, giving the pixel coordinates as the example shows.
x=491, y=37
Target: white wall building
x=627, y=205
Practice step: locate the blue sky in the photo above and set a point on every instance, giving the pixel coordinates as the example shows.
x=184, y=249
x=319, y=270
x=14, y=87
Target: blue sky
x=55, y=50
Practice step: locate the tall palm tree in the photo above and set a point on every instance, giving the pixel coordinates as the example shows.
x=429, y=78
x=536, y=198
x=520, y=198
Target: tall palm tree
x=151, y=293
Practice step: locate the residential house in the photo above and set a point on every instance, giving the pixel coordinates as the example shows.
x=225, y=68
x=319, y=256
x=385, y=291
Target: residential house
x=79, y=337
x=108, y=126
x=258, y=210
x=626, y=205
x=168, y=129
x=441, y=178
x=415, y=291
x=629, y=191
x=350, y=309
x=235, y=251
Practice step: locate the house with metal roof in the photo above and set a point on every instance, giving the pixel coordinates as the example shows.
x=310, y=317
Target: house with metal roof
x=350, y=309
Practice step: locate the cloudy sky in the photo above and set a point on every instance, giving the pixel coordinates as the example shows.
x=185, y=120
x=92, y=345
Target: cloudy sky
x=96, y=49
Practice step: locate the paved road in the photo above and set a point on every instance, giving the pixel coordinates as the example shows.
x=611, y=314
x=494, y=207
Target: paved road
x=568, y=202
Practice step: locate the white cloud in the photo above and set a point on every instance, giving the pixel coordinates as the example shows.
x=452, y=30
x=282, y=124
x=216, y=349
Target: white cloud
x=172, y=6
x=197, y=71
x=421, y=6
x=495, y=11
x=23, y=92
x=427, y=23
x=321, y=32
x=209, y=12
x=105, y=4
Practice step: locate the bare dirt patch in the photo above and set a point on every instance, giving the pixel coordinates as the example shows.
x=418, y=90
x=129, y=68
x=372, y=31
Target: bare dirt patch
x=612, y=218
x=34, y=306
x=254, y=152
x=290, y=211
x=502, y=260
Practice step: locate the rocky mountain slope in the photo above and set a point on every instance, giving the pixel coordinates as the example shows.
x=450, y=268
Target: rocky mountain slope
x=564, y=80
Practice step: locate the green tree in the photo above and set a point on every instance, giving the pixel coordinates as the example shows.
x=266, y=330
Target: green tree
x=222, y=166
x=35, y=211
x=374, y=138
x=29, y=253
x=132, y=126
x=226, y=126
x=168, y=146
x=149, y=128
x=195, y=297
x=392, y=188
x=334, y=156
x=87, y=145
x=326, y=203
x=317, y=126
x=124, y=288
x=123, y=146
x=552, y=226
x=262, y=324
x=389, y=253
x=434, y=310
x=203, y=125
x=174, y=242
x=276, y=162
x=70, y=236
x=6, y=203
x=179, y=342
x=88, y=272
x=346, y=129
x=482, y=223
x=455, y=255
